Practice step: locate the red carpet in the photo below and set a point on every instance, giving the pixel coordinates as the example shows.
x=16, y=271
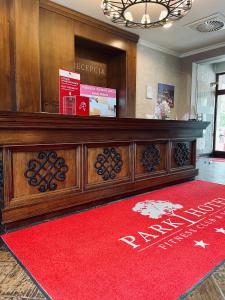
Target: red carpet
x=217, y=160
x=155, y=246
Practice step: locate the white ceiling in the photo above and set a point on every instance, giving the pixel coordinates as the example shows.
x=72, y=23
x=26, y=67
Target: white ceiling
x=179, y=38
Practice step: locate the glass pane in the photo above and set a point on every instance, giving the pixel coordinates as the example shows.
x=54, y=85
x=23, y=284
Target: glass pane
x=220, y=124
x=221, y=85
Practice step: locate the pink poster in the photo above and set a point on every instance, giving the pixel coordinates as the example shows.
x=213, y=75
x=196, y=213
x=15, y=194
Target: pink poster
x=102, y=100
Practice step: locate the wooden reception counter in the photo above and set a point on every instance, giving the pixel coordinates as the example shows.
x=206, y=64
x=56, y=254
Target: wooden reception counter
x=50, y=163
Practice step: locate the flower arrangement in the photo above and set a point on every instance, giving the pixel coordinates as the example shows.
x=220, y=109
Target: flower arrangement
x=162, y=110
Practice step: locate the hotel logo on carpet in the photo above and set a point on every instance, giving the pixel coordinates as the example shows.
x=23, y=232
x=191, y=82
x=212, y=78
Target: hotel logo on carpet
x=178, y=227
x=156, y=209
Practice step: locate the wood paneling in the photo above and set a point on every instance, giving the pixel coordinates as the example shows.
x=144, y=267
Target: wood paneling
x=6, y=71
x=92, y=62
x=92, y=72
x=94, y=23
x=140, y=171
x=111, y=62
x=190, y=162
x=38, y=38
x=93, y=46
x=27, y=62
x=131, y=80
x=1, y=180
x=94, y=42
x=20, y=160
x=121, y=67
x=24, y=135
x=56, y=51
x=117, y=79
x=19, y=55
x=93, y=178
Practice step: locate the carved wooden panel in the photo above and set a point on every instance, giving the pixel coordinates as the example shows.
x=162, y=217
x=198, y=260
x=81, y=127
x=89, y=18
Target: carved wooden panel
x=44, y=171
x=24, y=135
x=182, y=154
x=150, y=158
x=107, y=164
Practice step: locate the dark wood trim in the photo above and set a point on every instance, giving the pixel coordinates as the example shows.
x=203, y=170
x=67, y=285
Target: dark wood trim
x=10, y=227
x=21, y=120
x=21, y=134
x=219, y=154
x=11, y=214
x=69, y=13
x=11, y=8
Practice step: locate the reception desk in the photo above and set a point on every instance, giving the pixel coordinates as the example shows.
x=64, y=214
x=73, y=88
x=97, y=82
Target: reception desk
x=49, y=163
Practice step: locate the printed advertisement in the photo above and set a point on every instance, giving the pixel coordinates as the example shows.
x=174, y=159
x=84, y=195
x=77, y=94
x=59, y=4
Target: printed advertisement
x=102, y=100
x=69, y=88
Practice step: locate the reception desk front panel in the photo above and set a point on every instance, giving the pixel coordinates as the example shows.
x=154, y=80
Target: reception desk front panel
x=52, y=163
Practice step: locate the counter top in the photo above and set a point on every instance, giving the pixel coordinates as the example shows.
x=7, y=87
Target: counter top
x=57, y=121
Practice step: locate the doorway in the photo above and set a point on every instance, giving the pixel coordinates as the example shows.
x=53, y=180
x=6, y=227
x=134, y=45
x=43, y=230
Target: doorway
x=208, y=101
x=219, y=133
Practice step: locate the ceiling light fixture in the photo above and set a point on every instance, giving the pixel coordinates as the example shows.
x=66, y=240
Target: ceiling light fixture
x=145, y=13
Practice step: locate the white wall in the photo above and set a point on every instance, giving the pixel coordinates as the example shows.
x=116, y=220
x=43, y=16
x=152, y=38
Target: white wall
x=205, y=105
x=220, y=67
x=155, y=67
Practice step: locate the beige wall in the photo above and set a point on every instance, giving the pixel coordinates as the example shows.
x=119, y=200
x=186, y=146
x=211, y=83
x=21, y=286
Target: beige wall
x=155, y=67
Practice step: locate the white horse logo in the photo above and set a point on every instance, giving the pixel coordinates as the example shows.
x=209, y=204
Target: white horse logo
x=155, y=209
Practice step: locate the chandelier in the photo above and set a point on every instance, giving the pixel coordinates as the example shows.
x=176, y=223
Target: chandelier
x=145, y=13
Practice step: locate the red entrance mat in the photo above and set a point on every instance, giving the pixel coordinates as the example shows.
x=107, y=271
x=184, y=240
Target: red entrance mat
x=217, y=160
x=154, y=246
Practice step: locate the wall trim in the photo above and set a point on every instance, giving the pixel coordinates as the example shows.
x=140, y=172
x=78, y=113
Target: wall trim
x=158, y=48
x=200, y=50
x=177, y=54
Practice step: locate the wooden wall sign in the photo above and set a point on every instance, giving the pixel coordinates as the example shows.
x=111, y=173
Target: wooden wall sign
x=91, y=71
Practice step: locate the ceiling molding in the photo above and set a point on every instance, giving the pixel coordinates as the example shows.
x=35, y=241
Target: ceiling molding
x=158, y=48
x=177, y=54
x=200, y=50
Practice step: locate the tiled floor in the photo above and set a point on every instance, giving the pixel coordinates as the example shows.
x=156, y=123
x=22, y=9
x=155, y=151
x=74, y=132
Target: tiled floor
x=15, y=284
x=211, y=171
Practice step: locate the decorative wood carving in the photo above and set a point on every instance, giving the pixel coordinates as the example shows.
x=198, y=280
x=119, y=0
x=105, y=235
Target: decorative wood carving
x=46, y=170
x=151, y=158
x=182, y=154
x=79, y=141
x=108, y=164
